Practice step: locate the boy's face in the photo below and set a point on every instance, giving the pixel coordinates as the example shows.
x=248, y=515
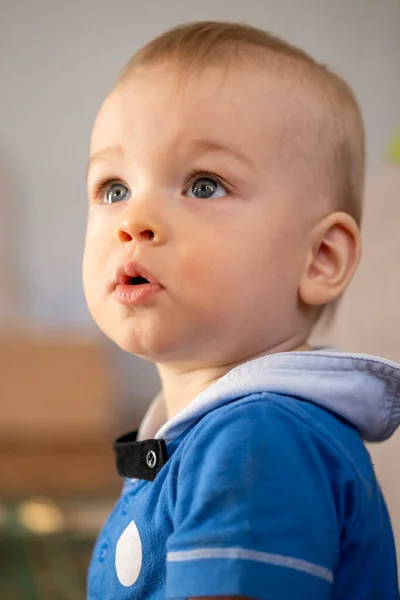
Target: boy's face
x=186, y=181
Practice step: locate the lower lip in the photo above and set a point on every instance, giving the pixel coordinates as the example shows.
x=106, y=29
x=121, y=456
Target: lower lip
x=134, y=295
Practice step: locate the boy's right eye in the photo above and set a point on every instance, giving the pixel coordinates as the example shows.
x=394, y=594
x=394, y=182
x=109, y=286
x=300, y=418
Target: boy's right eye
x=116, y=192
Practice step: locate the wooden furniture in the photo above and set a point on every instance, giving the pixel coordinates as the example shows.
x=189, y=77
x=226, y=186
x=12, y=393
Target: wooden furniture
x=57, y=421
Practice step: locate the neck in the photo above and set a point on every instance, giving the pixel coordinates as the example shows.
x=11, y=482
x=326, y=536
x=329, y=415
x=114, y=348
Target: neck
x=182, y=383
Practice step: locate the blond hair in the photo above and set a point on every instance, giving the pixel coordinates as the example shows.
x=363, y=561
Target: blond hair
x=326, y=138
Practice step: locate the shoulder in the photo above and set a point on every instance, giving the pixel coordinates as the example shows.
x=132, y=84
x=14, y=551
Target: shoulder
x=275, y=417
x=268, y=428
x=252, y=488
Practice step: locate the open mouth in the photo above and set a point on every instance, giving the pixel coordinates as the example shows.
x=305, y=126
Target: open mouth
x=137, y=280
x=134, y=286
x=134, y=275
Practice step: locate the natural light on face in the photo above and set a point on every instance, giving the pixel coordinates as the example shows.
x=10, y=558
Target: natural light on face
x=183, y=182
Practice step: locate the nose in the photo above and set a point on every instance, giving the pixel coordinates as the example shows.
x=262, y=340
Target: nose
x=141, y=222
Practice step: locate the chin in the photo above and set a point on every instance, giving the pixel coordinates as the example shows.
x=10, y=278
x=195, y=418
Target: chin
x=150, y=345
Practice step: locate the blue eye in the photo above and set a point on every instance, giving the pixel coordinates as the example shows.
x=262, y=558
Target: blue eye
x=206, y=187
x=116, y=192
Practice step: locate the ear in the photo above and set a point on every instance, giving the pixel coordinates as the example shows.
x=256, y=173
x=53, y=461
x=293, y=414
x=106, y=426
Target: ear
x=333, y=257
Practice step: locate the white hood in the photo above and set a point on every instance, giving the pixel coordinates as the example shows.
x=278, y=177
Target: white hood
x=363, y=389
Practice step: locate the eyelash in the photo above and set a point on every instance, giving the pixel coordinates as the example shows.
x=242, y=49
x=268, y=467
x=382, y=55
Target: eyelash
x=100, y=186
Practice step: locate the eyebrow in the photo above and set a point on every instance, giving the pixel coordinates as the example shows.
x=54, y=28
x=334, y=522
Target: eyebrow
x=198, y=145
x=208, y=145
x=104, y=154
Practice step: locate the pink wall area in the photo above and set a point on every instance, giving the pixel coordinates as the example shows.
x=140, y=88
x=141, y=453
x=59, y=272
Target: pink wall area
x=369, y=317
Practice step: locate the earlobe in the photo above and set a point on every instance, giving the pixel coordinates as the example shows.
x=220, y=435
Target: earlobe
x=335, y=250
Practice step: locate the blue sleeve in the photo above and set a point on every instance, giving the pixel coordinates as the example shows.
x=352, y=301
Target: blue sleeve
x=255, y=513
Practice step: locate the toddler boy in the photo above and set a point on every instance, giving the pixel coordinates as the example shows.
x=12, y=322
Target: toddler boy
x=225, y=188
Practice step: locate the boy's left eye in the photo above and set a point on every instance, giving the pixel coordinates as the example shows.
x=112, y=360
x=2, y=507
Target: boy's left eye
x=206, y=187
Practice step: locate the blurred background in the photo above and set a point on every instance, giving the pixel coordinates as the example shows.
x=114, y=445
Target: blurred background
x=65, y=391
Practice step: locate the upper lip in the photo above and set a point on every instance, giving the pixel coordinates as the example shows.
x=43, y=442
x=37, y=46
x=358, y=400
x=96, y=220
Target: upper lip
x=133, y=269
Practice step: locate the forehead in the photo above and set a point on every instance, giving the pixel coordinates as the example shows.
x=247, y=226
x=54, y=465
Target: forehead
x=236, y=107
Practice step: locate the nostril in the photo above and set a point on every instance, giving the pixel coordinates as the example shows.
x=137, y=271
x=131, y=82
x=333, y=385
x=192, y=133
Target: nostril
x=124, y=237
x=147, y=235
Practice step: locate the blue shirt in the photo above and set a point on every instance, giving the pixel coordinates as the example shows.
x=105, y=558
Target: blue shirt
x=267, y=496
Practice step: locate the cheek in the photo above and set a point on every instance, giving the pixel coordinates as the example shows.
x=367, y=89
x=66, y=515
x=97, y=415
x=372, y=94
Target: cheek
x=210, y=280
x=97, y=246
x=203, y=261
x=98, y=224
x=242, y=263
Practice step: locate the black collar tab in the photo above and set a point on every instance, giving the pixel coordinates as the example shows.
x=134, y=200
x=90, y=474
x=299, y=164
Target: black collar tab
x=139, y=459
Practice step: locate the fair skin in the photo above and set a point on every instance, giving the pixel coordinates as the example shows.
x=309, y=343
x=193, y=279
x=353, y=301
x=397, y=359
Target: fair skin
x=242, y=271
x=219, y=259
